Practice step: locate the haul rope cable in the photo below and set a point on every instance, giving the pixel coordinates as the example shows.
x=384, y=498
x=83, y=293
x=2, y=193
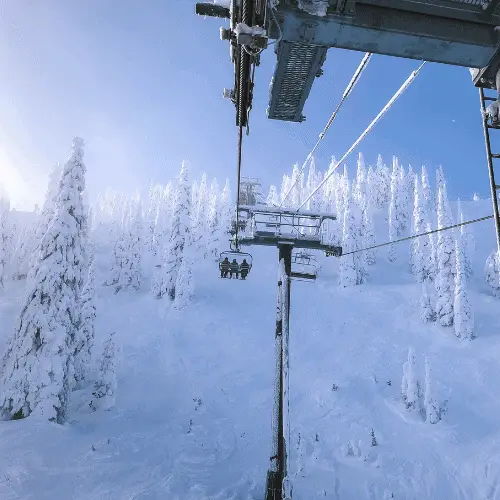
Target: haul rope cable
x=240, y=141
x=420, y=234
x=386, y=108
x=345, y=95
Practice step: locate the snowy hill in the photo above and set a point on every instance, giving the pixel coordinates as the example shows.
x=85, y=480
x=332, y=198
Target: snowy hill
x=193, y=409
x=172, y=397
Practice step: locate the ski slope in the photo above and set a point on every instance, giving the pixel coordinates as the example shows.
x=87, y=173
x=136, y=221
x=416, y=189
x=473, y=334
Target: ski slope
x=193, y=413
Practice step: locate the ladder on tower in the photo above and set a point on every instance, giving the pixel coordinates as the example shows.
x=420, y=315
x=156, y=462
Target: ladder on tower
x=489, y=126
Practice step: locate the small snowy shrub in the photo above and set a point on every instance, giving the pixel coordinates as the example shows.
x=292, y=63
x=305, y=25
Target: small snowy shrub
x=105, y=386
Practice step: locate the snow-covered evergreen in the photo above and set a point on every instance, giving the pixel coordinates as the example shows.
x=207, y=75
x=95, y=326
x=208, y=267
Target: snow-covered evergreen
x=492, y=272
x=427, y=312
x=445, y=261
x=4, y=239
x=37, y=367
x=46, y=215
x=410, y=385
x=85, y=333
x=184, y=286
x=272, y=197
x=180, y=233
x=416, y=254
x=431, y=406
x=467, y=242
x=104, y=392
x=463, y=319
x=351, y=270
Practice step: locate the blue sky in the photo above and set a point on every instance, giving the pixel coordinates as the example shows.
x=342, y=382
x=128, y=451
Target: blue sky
x=141, y=82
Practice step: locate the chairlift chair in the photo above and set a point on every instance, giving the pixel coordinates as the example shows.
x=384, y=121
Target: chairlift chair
x=239, y=256
x=304, y=267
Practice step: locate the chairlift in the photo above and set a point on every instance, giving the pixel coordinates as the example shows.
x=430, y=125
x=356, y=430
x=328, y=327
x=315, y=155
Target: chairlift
x=304, y=267
x=239, y=257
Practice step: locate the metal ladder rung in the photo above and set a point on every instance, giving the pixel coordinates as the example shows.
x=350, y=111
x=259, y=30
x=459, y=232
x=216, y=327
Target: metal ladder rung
x=497, y=186
x=496, y=127
x=486, y=98
x=495, y=155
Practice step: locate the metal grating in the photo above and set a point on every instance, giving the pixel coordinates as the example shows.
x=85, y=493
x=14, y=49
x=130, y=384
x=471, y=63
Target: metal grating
x=298, y=65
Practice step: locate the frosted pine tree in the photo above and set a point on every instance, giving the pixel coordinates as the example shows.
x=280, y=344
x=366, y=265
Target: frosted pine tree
x=463, y=318
x=180, y=233
x=394, y=211
x=46, y=216
x=213, y=216
x=285, y=187
x=226, y=213
x=467, y=242
x=199, y=215
x=432, y=411
x=428, y=252
x=37, y=367
x=184, y=286
x=154, y=199
x=492, y=272
x=440, y=181
x=350, y=271
x=272, y=197
x=427, y=312
x=85, y=333
x=135, y=233
x=359, y=188
x=4, y=238
x=445, y=262
x=409, y=385
x=418, y=221
x=297, y=186
x=428, y=202
x=104, y=393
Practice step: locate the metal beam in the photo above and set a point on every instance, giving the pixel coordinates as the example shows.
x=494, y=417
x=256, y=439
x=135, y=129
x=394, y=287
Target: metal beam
x=400, y=33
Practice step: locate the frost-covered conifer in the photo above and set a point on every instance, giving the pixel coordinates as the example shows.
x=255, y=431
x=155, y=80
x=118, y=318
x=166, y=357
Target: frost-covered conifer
x=359, y=188
x=272, y=197
x=297, y=182
x=445, y=262
x=84, y=337
x=46, y=215
x=104, y=392
x=432, y=410
x=37, y=367
x=381, y=184
x=351, y=269
x=416, y=257
x=226, y=213
x=409, y=384
x=440, y=181
x=428, y=252
x=184, y=286
x=492, y=272
x=285, y=187
x=199, y=217
x=467, y=243
x=394, y=210
x=154, y=200
x=428, y=203
x=463, y=318
x=180, y=233
x=427, y=312
x=4, y=238
x=213, y=217
x=20, y=257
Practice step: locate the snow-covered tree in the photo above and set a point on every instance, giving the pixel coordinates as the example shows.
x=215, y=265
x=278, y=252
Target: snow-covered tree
x=492, y=272
x=463, y=320
x=427, y=200
x=351, y=270
x=409, y=385
x=154, y=200
x=180, y=233
x=272, y=197
x=297, y=183
x=46, y=215
x=431, y=406
x=445, y=262
x=467, y=242
x=394, y=210
x=427, y=312
x=84, y=336
x=359, y=187
x=184, y=286
x=104, y=393
x=427, y=248
x=380, y=184
x=37, y=367
x=416, y=257
x=4, y=238
x=213, y=220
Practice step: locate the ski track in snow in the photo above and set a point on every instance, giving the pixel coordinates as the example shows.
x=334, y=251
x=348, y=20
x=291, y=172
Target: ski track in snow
x=193, y=413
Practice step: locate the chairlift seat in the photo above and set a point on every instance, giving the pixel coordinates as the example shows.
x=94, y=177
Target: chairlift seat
x=238, y=255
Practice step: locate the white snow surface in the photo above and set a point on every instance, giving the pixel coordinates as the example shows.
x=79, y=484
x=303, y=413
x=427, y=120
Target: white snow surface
x=193, y=409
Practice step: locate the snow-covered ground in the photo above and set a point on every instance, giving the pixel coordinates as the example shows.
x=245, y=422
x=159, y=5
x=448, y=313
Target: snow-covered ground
x=193, y=410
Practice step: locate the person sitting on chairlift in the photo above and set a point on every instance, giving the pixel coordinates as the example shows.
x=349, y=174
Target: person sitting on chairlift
x=244, y=269
x=224, y=268
x=234, y=269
